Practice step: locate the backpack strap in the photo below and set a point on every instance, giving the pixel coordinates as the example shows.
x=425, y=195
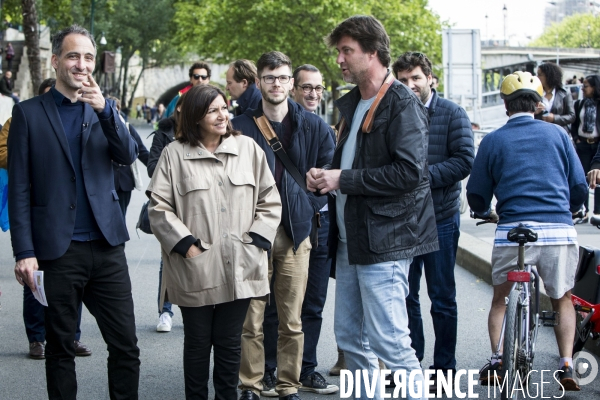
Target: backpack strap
x=271, y=137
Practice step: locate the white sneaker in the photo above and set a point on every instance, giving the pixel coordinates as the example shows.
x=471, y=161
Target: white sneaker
x=164, y=323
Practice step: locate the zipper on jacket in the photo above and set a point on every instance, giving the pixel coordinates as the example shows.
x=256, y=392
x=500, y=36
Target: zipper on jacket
x=287, y=201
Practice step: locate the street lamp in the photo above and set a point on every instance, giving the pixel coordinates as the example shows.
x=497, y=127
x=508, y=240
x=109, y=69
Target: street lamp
x=103, y=40
x=505, y=12
x=487, y=36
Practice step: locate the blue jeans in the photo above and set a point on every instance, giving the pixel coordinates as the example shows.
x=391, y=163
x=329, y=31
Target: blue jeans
x=439, y=274
x=166, y=308
x=33, y=318
x=312, y=307
x=370, y=317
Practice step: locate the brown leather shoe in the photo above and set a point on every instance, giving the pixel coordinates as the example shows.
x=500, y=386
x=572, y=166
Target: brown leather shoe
x=81, y=350
x=339, y=365
x=37, y=351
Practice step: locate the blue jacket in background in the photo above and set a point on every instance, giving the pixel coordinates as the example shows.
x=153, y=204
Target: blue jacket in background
x=450, y=154
x=532, y=169
x=249, y=100
x=311, y=146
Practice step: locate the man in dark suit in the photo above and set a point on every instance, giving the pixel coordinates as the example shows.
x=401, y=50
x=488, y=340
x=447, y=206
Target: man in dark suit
x=65, y=215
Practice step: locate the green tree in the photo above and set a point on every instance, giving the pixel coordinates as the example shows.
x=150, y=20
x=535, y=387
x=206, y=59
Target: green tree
x=579, y=30
x=230, y=29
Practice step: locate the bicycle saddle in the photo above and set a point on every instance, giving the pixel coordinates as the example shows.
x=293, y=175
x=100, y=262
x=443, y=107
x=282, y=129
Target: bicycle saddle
x=522, y=234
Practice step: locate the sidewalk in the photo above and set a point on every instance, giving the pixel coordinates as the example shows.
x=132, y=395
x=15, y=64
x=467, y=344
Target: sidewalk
x=475, y=254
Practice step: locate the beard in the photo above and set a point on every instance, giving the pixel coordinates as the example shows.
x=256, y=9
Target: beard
x=273, y=100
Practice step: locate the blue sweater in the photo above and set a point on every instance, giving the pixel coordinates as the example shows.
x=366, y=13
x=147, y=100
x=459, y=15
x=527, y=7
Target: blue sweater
x=532, y=169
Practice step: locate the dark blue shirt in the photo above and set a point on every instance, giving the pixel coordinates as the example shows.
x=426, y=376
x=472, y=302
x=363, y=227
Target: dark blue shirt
x=71, y=116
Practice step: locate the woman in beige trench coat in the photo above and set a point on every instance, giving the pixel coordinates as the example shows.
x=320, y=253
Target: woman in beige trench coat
x=214, y=208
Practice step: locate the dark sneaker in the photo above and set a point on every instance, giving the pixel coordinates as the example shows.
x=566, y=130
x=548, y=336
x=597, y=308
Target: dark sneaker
x=317, y=384
x=487, y=373
x=565, y=377
x=249, y=395
x=269, y=381
x=293, y=396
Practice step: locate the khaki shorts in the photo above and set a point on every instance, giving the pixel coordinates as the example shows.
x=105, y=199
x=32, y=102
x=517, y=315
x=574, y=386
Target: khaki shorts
x=556, y=264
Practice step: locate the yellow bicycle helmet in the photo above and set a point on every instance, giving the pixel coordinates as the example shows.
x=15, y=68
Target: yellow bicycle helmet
x=520, y=83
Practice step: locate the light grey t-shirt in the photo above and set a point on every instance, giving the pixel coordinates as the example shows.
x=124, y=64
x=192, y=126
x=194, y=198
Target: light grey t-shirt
x=347, y=161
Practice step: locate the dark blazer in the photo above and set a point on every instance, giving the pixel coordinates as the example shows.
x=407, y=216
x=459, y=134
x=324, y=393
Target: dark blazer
x=42, y=193
x=562, y=108
x=124, y=180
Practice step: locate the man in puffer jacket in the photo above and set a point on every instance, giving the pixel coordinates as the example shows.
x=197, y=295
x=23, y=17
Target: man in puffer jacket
x=450, y=156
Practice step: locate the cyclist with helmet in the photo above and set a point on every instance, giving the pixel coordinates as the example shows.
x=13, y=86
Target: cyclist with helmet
x=533, y=171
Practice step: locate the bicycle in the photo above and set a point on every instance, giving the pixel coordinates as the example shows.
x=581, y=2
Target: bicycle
x=585, y=297
x=522, y=317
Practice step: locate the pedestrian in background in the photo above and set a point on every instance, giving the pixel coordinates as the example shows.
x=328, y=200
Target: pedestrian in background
x=585, y=131
x=214, y=208
x=556, y=106
x=10, y=54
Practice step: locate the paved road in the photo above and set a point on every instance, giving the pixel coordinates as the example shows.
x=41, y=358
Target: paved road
x=161, y=353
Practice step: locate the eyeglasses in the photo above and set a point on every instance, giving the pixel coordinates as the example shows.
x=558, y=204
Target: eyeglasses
x=308, y=88
x=204, y=77
x=281, y=78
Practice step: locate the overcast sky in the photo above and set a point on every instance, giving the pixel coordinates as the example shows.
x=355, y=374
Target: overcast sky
x=525, y=17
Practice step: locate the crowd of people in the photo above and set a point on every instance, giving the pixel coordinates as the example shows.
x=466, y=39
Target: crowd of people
x=254, y=214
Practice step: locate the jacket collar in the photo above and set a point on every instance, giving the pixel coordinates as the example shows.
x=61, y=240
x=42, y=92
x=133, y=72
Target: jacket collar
x=347, y=103
x=433, y=104
x=248, y=95
x=227, y=146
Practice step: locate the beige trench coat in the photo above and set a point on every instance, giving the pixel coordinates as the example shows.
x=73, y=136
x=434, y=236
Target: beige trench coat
x=218, y=198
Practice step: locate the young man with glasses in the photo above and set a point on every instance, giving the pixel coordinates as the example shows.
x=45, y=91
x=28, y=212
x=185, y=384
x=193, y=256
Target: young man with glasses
x=308, y=142
x=199, y=75
x=450, y=156
x=307, y=92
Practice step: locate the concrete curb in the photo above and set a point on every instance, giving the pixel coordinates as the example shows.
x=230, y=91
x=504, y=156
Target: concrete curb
x=475, y=256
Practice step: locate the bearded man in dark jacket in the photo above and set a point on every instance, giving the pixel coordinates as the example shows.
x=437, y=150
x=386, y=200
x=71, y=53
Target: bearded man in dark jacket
x=383, y=210
x=450, y=161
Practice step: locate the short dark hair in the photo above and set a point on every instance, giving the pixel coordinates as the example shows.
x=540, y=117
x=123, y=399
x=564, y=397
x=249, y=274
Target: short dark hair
x=272, y=60
x=553, y=74
x=199, y=65
x=194, y=107
x=59, y=37
x=594, y=81
x=368, y=32
x=304, y=67
x=244, y=69
x=410, y=60
x=523, y=103
x=46, y=83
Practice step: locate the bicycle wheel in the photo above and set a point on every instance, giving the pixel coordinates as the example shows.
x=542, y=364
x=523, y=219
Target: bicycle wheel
x=582, y=333
x=510, y=349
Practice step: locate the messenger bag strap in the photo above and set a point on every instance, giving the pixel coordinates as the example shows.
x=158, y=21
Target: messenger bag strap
x=273, y=141
x=368, y=124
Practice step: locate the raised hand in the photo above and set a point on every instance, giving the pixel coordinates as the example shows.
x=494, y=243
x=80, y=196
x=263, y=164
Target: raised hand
x=90, y=93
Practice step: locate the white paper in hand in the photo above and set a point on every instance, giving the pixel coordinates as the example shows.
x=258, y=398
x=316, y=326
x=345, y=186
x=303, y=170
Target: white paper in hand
x=39, y=293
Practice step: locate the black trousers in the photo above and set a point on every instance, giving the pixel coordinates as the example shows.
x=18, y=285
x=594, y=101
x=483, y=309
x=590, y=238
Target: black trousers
x=96, y=273
x=218, y=327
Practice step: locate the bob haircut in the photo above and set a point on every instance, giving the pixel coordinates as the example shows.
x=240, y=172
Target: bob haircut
x=194, y=107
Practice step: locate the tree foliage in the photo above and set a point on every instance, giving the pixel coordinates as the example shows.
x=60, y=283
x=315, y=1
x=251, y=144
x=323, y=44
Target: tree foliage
x=230, y=29
x=571, y=32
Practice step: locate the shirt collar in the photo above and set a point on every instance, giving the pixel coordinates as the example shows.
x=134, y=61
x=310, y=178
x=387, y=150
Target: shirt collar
x=521, y=114
x=428, y=103
x=59, y=98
